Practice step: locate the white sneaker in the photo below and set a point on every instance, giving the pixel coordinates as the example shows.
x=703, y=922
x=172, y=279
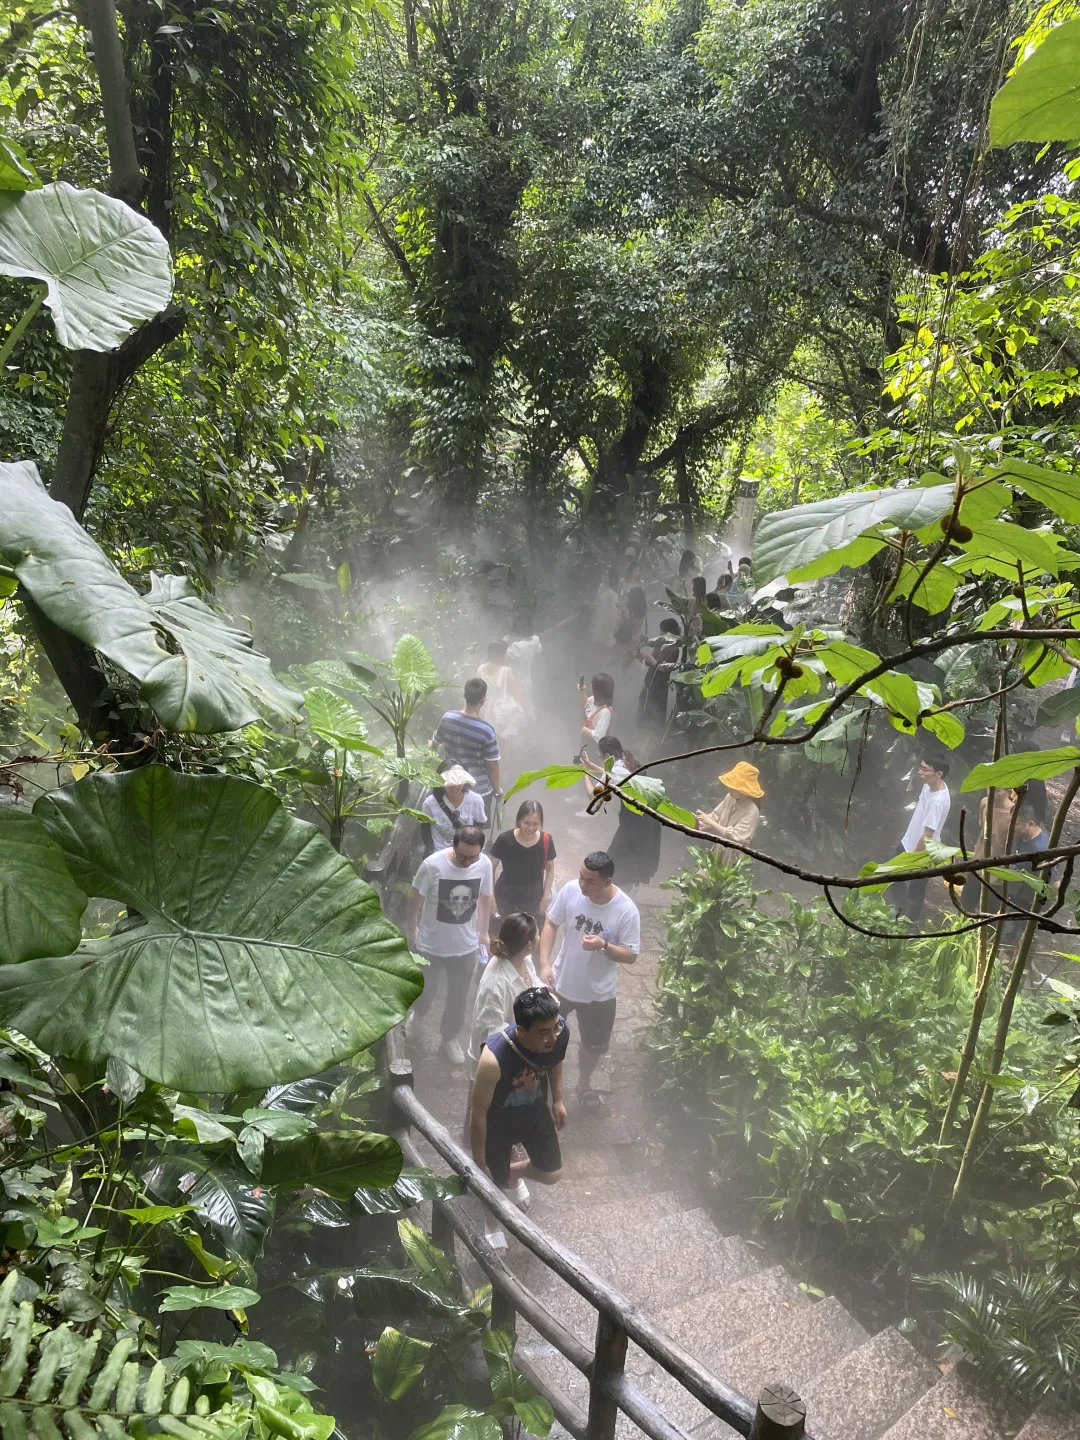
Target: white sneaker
x=452, y=1051
x=496, y=1239
x=519, y=1194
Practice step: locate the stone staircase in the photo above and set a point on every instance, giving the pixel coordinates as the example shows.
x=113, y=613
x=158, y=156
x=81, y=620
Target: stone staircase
x=749, y=1323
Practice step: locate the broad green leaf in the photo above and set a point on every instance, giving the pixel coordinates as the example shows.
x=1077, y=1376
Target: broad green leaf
x=263, y=1125
x=511, y=1388
x=124, y=1082
x=411, y=665
x=1013, y=770
x=40, y=905
x=932, y=591
x=458, y=1422
x=857, y=552
x=219, y=1191
x=398, y=1362
x=200, y=1125
x=845, y=662
x=789, y=540
x=1058, y=490
x=945, y=725
x=337, y=722
x=155, y=1214
x=196, y=672
x=1007, y=543
x=400, y=1294
x=240, y=1355
x=106, y=267
x=16, y=172
x=220, y=1297
x=260, y=956
x=424, y=1253
x=555, y=777
x=898, y=693
x=336, y=1161
x=1056, y=709
x=411, y=1188
x=907, y=862
x=1040, y=101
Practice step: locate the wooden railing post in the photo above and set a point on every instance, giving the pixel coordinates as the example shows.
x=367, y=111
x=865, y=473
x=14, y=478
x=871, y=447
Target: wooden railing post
x=609, y=1360
x=503, y=1313
x=781, y=1415
x=442, y=1232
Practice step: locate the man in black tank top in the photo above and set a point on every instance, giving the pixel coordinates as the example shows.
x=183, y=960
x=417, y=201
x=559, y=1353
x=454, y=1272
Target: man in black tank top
x=519, y=1065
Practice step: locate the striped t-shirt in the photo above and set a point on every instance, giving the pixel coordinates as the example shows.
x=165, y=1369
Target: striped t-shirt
x=467, y=740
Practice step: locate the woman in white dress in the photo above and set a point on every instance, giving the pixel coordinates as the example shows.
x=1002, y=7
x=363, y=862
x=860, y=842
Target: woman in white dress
x=505, y=708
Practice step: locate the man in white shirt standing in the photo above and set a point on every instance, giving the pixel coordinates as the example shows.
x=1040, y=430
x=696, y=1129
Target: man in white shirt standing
x=447, y=919
x=601, y=931
x=926, y=823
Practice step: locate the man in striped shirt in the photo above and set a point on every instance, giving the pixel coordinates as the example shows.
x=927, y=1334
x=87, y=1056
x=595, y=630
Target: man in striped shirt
x=469, y=740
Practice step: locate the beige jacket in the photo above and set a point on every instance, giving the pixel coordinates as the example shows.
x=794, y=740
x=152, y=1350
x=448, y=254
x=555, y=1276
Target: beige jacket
x=738, y=817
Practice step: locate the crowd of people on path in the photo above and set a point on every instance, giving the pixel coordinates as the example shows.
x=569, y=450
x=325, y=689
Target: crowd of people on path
x=516, y=961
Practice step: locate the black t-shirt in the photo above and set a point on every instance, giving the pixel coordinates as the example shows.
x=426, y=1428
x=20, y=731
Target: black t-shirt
x=521, y=876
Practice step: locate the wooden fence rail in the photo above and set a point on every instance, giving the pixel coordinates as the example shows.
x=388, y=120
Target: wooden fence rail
x=779, y=1413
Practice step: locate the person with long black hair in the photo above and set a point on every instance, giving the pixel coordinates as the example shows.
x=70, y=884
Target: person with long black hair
x=635, y=846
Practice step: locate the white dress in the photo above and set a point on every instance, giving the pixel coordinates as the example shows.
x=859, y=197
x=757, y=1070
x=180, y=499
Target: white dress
x=504, y=711
x=524, y=654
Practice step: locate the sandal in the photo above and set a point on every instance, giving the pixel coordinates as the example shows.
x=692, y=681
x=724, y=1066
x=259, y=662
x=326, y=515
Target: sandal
x=592, y=1099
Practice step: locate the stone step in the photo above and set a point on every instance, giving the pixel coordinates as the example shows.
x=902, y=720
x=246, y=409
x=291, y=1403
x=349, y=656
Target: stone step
x=569, y=1211
x=709, y=1325
x=957, y=1408
x=868, y=1390
x=665, y=1260
x=801, y=1346
x=565, y=1380
x=1050, y=1423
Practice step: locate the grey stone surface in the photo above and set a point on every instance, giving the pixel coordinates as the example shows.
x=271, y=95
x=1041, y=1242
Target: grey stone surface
x=571, y=1210
x=670, y=1259
x=798, y=1349
x=1049, y=1423
x=868, y=1390
x=710, y=1324
x=957, y=1409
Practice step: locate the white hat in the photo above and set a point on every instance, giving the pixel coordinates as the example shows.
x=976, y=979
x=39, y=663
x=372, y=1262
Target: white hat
x=457, y=775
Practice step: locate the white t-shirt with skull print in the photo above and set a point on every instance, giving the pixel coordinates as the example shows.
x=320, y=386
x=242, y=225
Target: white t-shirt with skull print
x=450, y=894
x=586, y=975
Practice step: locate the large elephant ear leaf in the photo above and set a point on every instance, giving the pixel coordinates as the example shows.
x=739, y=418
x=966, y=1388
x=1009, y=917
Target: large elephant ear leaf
x=105, y=267
x=412, y=666
x=256, y=955
x=40, y=904
x=197, y=673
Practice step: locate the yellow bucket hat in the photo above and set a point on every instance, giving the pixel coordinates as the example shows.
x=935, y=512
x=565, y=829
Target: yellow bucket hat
x=743, y=777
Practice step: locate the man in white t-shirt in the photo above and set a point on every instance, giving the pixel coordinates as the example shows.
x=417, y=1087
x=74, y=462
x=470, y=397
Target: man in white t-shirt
x=447, y=919
x=926, y=823
x=601, y=931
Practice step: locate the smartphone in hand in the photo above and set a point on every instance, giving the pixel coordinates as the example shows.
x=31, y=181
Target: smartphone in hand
x=581, y=682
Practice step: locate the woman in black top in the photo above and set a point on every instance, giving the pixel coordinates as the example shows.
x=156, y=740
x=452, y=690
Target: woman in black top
x=524, y=864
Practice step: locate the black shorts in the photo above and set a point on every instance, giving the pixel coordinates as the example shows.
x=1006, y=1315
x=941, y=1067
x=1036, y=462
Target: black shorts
x=535, y=1131
x=595, y=1021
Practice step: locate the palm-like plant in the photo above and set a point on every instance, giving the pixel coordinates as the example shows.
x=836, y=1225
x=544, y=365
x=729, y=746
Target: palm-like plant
x=1020, y=1327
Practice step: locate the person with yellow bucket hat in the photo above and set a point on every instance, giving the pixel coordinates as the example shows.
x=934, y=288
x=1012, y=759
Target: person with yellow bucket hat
x=738, y=815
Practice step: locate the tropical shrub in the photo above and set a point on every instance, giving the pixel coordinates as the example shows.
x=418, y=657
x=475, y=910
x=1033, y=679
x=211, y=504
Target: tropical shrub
x=820, y=1060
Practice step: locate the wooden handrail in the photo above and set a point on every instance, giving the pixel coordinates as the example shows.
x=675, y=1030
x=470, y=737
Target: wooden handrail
x=619, y=1320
